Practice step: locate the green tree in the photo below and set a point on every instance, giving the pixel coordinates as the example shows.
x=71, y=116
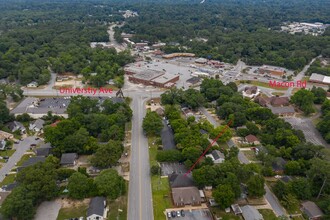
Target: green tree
x=204, y=176
x=107, y=155
x=79, y=186
x=152, y=124
x=225, y=132
x=304, y=100
x=301, y=188
x=19, y=204
x=224, y=196
x=256, y=186
x=110, y=184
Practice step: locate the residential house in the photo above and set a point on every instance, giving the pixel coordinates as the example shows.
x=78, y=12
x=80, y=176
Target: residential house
x=31, y=161
x=16, y=126
x=251, y=213
x=311, y=210
x=180, y=180
x=69, y=159
x=44, y=150
x=262, y=100
x=278, y=165
x=37, y=125
x=32, y=85
x=251, y=139
x=216, y=156
x=251, y=92
x=97, y=209
x=183, y=196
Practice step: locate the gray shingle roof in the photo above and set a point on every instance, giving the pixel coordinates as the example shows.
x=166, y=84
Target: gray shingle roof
x=311, y=209
x=96, y=206
x=180, y=180
x=68, y=158
x=251, y=213
x=217, y=155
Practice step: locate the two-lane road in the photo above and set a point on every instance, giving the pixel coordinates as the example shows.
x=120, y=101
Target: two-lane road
x=140, y=197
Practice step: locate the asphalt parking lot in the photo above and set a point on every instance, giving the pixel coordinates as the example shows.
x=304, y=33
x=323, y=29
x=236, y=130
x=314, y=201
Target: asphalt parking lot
x=170, y=168
x=309, y=130
x=198, y=214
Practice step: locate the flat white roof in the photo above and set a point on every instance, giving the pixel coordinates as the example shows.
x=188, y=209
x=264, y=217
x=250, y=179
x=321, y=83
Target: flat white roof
x=317, y=77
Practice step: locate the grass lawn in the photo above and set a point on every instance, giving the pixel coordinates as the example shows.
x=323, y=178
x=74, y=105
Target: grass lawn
x=8, y=179
x=160, y=196
x=24, y=158
x=160, y=187
x=251, y=155
x=72, y=212
x=268, y=214
x=263, y=84
x=278, y=93
x=224, y=216
x=118, y=208
x=7, y=152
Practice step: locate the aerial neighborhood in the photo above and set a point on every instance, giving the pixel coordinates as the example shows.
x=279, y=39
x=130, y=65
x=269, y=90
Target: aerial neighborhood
x=164, y=110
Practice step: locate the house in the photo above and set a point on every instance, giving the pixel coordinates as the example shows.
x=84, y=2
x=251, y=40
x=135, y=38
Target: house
x=37, y=125
x=262, y=100
x=32, y=85
x=193, y=80
x=272, y=70
x=44, y=150
x=285, y=111
x=311, y=210
x=97, y=209
x=277, y=101
x=251, y=139
x=69, y=159
x=236, y=209
x=16, y=126
x=251, y=92
x=216, y=156
x=3, y=143
x=186, y=196
x=180, y=180
x=278, y=165
x=31, y=161
x=251, y=213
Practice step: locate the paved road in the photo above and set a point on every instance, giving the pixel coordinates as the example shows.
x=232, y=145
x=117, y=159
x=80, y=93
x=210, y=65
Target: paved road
x=140, y=199
x=299, y=77
x=21, y=148
x=48, y=210
x=274, y=203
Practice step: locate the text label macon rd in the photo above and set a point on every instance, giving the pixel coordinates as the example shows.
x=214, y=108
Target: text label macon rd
x=299, y=83
x=88, y=90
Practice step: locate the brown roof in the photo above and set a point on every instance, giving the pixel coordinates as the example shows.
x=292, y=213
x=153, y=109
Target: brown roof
x=251, y=138
x=311, y=209
x=186, y=196
x=279, y=101
x=160, y=111
x=263, y=101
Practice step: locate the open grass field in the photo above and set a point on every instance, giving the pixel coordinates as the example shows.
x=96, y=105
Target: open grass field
x=8, y=179
x=72, y=212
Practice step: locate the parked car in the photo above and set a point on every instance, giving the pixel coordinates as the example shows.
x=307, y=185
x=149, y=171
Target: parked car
x=169, y=215
x=178, y=213
x=33, y=145
x=182, y=213
x=173, y=213
x=16, y=142
x=37, y=138
x=5, y=157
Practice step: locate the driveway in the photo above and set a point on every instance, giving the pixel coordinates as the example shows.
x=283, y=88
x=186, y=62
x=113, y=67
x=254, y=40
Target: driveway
x=21, y=148
x=167, y=137
x=274, y=203
x=48, y=210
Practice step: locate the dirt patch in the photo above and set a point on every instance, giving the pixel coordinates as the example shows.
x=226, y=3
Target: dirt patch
x=68, y=203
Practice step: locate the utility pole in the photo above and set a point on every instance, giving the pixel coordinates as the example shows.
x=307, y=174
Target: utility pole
x=318, y=196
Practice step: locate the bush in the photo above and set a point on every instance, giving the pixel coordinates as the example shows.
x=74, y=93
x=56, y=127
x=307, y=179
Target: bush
x=155, y=170
x=169, y=156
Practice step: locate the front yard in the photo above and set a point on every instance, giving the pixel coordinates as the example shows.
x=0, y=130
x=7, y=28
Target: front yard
x=118, y=208
x=74, y=210
x=160, y=186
